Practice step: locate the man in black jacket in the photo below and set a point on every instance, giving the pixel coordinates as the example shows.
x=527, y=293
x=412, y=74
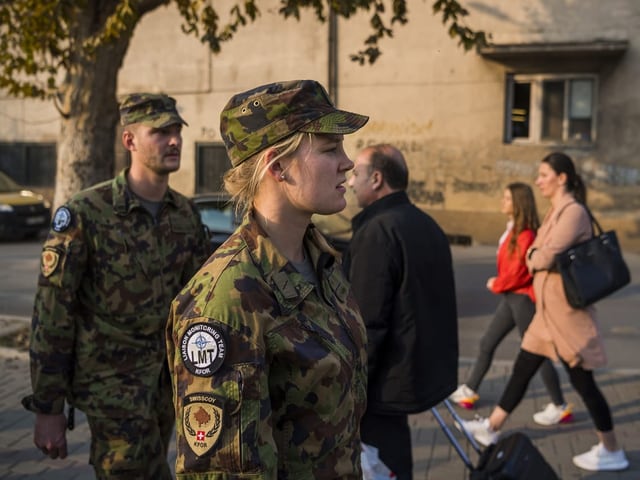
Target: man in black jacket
x=399, y=263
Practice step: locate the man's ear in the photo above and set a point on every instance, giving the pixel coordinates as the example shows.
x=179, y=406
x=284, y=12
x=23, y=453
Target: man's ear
x=377, y=180
x=128, y=140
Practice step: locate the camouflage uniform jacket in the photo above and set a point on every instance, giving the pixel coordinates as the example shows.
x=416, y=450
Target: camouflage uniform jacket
x=108, y=275
x=268, y=370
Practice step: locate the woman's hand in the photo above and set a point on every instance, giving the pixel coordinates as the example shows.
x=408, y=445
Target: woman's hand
x=490, y=282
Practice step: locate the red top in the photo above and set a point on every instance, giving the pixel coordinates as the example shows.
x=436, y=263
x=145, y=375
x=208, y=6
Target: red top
x=513, y=275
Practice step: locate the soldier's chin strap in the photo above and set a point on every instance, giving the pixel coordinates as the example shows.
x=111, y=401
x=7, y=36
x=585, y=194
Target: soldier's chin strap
x=71, y=418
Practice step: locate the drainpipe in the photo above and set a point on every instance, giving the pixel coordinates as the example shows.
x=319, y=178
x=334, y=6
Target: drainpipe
x=332, y=81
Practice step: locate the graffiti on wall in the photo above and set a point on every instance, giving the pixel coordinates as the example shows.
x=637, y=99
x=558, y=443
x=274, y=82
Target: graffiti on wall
x=595, y=173
x=418, y=192
x=439, y=169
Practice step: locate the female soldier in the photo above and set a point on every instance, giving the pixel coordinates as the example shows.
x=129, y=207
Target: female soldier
x=266, y=344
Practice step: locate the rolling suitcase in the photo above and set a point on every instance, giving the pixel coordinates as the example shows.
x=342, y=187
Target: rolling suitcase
x=513, y=457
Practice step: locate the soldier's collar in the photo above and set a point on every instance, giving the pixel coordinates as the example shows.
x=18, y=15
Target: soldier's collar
x=124, y=199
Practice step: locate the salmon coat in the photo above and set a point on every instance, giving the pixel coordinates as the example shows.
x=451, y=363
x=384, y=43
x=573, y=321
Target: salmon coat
x=558, y=329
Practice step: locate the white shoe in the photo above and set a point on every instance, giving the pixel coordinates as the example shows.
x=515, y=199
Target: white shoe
x=600, y=459
x=480, y=430
x=464, y=396
x=554, y=414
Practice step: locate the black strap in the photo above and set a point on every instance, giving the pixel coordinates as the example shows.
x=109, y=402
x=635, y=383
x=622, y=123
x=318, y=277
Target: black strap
x=594, y=232
x=71, y=418
x=593, y=222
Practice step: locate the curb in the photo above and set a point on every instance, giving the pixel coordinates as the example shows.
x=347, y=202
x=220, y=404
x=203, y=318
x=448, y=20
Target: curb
x=10, y=324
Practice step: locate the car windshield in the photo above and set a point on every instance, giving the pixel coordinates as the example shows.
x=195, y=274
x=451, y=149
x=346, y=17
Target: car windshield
x=218, y=218
x=7, y=184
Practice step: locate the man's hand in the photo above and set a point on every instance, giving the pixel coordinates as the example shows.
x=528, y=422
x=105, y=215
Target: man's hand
x=50, y=434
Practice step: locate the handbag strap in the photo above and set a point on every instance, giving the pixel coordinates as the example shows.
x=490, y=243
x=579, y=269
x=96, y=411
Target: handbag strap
x=594, y=231
x=593, y=222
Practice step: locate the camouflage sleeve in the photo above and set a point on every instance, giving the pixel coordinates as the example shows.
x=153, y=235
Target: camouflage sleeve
x=221, y=391
x=53, y=327
x=203, y=246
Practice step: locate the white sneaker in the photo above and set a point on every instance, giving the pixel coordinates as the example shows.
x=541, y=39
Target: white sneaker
x=600, y=459
x=464, y=396
x=480, y=430
x=554, y=414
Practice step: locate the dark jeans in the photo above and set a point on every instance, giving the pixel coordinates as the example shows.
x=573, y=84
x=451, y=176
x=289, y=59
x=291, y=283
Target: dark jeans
x=582, y=380
x=391, y=435
x=514, y=310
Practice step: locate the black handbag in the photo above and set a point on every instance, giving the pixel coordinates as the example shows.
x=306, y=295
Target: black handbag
x=593, y=269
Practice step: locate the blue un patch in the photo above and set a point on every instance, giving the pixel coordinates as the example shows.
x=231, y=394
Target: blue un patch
x=61, y=219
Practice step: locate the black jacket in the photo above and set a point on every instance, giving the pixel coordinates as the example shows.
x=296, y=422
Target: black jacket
x=399, y=263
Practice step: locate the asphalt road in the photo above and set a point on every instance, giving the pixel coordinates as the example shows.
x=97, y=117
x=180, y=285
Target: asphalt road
x=19, y=264
x=618, y=314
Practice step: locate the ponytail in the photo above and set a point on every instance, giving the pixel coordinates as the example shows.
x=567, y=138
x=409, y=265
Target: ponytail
x=579, y=190
x=562, y=163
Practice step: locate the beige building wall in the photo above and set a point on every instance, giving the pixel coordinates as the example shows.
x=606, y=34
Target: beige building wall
x=446, y=109
x=443, y=107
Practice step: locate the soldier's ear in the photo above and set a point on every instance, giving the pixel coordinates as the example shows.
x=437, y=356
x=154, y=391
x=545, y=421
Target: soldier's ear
x=276, y=169
x=128, y=140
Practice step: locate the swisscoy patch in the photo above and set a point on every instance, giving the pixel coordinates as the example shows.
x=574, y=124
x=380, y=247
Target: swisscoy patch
x=49, y=261
x=203, y=348
x=202, y=421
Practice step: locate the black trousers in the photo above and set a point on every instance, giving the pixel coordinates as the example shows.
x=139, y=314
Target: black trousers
x=582, y=380
x=514, y=310
x=391, y=435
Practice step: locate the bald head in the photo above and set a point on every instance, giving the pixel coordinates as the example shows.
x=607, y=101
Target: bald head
x=389, y=161
x=379, y=170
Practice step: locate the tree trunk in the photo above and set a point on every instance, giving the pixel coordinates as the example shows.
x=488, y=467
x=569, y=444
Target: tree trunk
x=86, y=141
x=86, y=144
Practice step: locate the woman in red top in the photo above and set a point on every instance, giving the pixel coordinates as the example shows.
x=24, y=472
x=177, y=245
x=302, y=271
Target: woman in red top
x=517, y=304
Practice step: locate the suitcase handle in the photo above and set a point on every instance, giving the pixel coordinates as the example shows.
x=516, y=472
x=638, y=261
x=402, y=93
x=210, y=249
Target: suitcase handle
x=452, y=439
x=459, y=420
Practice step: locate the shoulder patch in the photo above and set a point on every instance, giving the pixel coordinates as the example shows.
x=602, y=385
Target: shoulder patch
x=61, y=219
x=203, y=348
x=202, y=421
x=49, y=261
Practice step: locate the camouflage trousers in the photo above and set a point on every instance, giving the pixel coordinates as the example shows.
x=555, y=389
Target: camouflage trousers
x=134, y=448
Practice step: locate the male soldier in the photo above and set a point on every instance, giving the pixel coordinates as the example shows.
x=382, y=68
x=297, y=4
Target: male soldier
x=116, y=255
x=400, y=267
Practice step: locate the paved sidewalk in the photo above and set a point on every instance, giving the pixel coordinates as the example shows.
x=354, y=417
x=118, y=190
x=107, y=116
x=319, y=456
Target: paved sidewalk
x=434, y=457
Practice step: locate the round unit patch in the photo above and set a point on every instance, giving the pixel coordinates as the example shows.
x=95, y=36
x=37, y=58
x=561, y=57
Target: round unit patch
x=61, y=220
x=203, y=348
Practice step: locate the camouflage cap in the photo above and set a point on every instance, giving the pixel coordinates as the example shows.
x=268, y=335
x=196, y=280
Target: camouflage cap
x=262, y=116
x=152, y=109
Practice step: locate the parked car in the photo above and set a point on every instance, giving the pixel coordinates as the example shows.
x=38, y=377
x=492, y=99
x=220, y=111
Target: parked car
x=218, y=214
x=337, y=229
x=23, y=213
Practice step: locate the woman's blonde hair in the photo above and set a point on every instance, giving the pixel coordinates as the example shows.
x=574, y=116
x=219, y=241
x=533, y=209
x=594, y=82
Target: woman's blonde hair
x=242, y=181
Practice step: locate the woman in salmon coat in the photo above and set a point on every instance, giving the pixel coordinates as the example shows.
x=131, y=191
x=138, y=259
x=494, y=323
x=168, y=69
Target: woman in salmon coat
x=559, y=331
